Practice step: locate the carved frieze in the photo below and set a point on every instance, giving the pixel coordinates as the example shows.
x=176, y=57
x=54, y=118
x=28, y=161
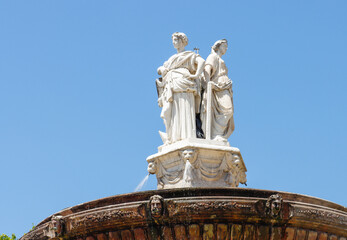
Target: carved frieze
x=228, y=207
x=195, y=213
x=108, y=215
x=322, y=215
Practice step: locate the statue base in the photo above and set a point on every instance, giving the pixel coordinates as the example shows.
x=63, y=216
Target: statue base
x=197, y=163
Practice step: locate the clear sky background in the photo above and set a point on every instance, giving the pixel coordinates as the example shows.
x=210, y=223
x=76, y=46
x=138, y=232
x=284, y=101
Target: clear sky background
x=78, y=104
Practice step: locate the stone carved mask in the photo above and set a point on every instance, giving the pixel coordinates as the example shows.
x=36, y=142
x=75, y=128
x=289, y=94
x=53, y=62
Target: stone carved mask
x=55, y=227
x=156, y=205
x=188, y=155
x=57, y=224
x=152, y=167
x=236, y=161
x=274, y=205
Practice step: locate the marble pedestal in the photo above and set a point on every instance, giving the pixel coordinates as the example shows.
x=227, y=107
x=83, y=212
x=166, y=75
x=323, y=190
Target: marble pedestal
x=197, y=163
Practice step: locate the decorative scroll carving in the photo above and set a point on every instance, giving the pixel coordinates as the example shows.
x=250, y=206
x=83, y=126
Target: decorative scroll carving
x=175, y=208
x=319, y=214
x=37, y=233
x=105, y=216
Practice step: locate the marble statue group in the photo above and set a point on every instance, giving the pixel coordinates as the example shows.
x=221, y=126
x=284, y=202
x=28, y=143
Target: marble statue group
x=195, y=95
x=196, y=98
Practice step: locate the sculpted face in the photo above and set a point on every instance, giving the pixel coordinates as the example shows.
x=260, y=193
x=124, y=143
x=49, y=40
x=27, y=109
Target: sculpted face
x=56, y=225
x=236, y=160
x=177, y=42
x=156, y=205
x=152, y=168
x=223, y=48
x=188, y=154
x=276, y=207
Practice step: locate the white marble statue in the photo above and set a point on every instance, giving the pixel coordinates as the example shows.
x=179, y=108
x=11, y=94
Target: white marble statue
x=217, y=107
x=193, y=155
x=179, y=91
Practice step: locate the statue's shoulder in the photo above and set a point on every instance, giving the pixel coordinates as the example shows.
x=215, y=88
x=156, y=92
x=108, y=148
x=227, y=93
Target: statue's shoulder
x=182, y=55
x=187, y=53
x=213, y=55
x=212, y=59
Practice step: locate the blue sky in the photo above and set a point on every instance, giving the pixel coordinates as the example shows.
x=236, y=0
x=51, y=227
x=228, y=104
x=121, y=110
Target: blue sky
x=78, y=99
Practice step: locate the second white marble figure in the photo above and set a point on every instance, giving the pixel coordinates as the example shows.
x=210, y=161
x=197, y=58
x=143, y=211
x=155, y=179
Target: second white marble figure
x=222, y=109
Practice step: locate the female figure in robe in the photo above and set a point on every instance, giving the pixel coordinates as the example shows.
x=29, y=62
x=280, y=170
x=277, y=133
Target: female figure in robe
x=179, y=91
x=222, y=108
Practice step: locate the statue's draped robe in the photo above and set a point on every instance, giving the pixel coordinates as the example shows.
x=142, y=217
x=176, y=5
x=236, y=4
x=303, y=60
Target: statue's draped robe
x=222, y=108
x=179, y=97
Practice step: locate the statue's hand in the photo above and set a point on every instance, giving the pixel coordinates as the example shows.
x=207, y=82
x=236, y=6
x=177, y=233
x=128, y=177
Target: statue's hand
x=213, y=85
x=160, y=102
x=191, y=76
x=162, y=71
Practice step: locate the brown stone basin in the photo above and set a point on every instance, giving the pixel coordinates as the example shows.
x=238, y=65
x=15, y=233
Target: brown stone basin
x=198, y=213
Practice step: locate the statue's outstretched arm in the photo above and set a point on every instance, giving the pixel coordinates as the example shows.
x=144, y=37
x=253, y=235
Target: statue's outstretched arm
x=201, y=64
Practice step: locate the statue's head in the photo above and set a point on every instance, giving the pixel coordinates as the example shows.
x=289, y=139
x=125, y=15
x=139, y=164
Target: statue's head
x=156, y=205
x=221, y=46
x=179, y=40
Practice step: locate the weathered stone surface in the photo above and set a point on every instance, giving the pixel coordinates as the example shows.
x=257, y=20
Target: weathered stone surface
x=276, y=233
x=301, y=234
x=236, y=232
x=126, y=235
x=139, y=234
x=208, y=232
x=290, y=233
x=323, y=236
x=167, y=233
x=102, y=236
x=180, y=232
x=263, y=232
x=312, y=235
x=194, y=232
x=249, y=233
x=199, y=214
x=114, y=236
x=222, y=231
